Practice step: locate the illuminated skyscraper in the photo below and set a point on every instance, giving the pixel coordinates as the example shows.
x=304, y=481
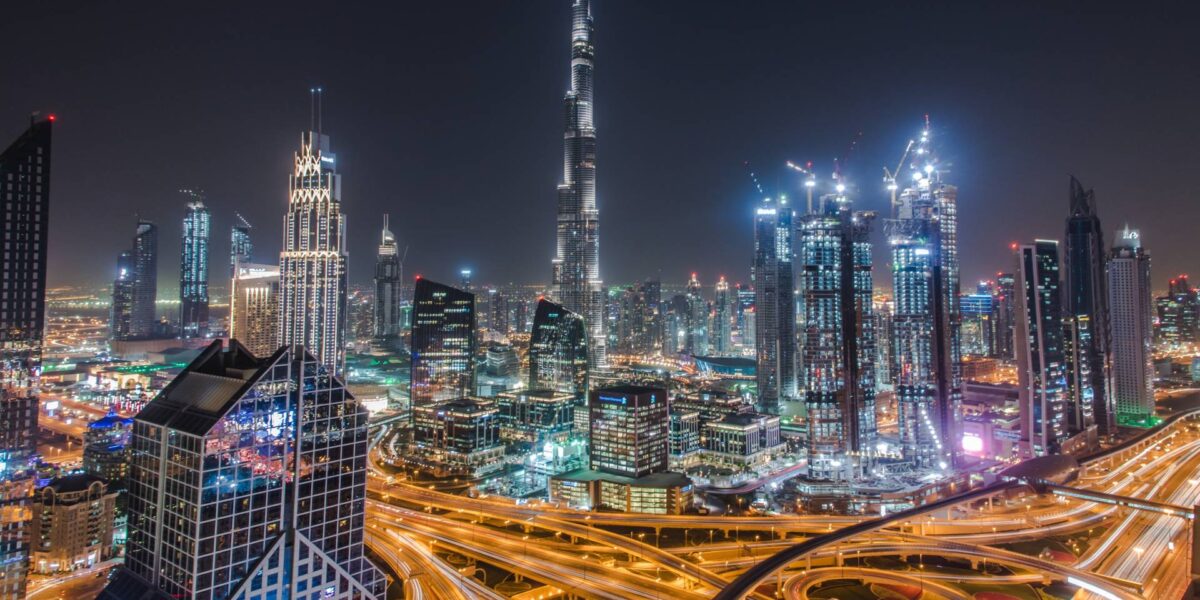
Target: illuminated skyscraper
x=248, y=479
x=1087, y=308
x=193, y=269
x=837, y=353
x=1132, y=329
x=774, y=305
x=388, y=275
x=1041, y=356
x=312, y=266
x=1005, y=300
x=24, y=218
x=1178, y=313
x=143, y=319
x=443, y=344
x=241, y=247
x=978, y=320
x=254, y=308
x=121, y=312
x=558, y=357
x=695, y=320
x=721, y=332
x=577, y=260
x=925, y=327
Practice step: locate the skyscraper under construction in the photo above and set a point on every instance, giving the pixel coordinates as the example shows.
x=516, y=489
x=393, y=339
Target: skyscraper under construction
x=924, y=248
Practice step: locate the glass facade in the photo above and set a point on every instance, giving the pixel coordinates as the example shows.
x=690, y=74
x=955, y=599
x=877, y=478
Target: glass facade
x=1041, y=350
x=774, y=305
x=248, y=481
x=1086, y=309
x=193, y=269
x=558, y=356
x=241, y=247
x=443, y=343
x=388, y=275
x=24, y=218
x=837, y=356
x=254, y=308
x=629, y=430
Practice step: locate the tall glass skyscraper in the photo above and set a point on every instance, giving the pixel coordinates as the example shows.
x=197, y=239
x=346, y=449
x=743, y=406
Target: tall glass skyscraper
x=121, y=312
x=1087, y=308
x=241, y=247
x=558, y=356
x=577, y=260
x=722, y=320
x=695, y=320
x=193, y=269
x=978, y=320
x=837, y=356
x=1005, y=316
x=1132, y=329
x=248, y=479
x=443, y=344
x=774, y=305
x=24, y=219
x=143, y=321
x=312, y=266
x=388, y=275
x=925, y=327
x=1041, y=351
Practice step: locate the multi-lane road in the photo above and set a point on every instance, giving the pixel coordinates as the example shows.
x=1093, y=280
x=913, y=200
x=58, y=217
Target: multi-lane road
x=1130, y=553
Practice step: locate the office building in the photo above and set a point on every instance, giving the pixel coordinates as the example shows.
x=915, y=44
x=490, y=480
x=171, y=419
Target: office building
x=774, y=305
x=978, y=321
x=1086, y=309
x=388, y=275
x=1005, y=302
x=72, y=524
x=1178, y=313
x=1132, y=333
x=721, y=331
x=24, y=218
x=193, y=269
x=926, y=323
x=837, y=350
x=460, y=437
x=629, y=430
x=443, y=344
x=696, y=320
x=120, y=314
x=254, y=308
x=748, y=440
x=1041, y=353
x=536, y=416
x=883, y=307
x=241, y=247
x=106, y=449
x=576, y=265
x=249, y=479
x=312, y=265
x=743, y=330
x=143, y=318
x=683, y=434
x=558, y=356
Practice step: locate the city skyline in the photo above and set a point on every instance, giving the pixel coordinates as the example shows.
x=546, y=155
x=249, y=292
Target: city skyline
x=991, y=145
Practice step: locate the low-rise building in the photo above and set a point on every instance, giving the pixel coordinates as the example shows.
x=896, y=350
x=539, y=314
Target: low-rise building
x=72, y=524
x=460, y=436
x=742, y=440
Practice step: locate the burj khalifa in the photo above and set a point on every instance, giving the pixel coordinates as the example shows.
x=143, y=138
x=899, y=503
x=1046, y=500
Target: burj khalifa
x=577, y=263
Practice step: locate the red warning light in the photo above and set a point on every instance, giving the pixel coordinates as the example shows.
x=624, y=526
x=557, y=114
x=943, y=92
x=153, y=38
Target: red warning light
x=51, y=117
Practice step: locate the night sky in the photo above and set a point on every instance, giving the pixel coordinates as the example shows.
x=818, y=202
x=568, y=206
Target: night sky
x=448, y=116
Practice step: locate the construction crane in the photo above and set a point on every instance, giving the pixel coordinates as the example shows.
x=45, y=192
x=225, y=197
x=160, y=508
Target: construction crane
x=889, y=177
x=809, y=183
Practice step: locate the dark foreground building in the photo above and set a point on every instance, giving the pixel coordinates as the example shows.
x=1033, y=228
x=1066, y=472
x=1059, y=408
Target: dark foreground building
x=248, y=480
x=24, y=215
